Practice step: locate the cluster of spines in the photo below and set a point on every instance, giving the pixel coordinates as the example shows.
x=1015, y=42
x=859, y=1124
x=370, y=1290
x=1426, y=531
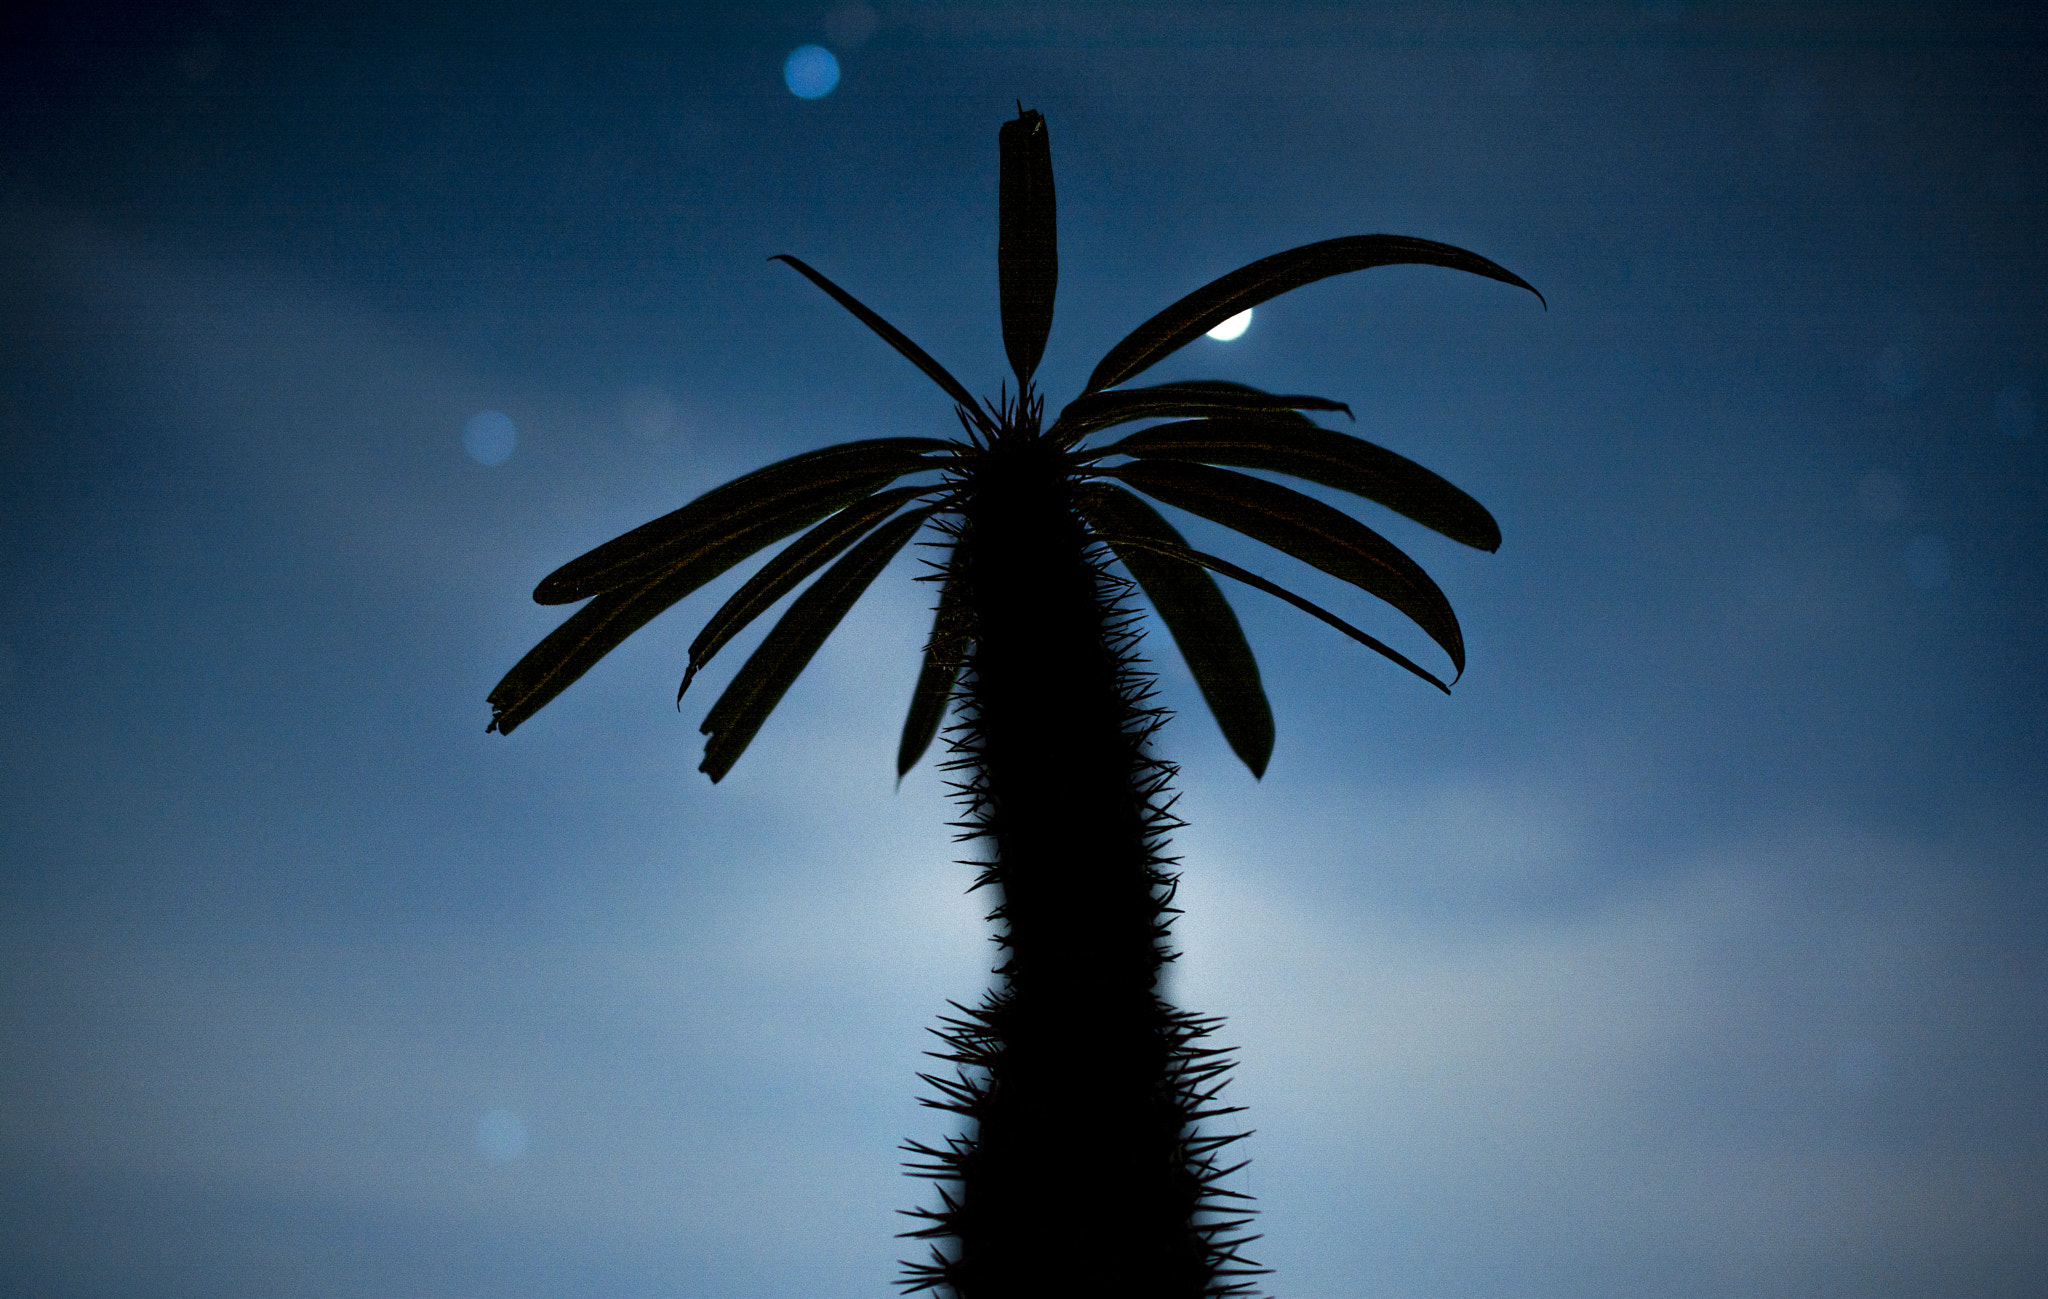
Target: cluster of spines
x=971, y=1038
x=1196, y=1078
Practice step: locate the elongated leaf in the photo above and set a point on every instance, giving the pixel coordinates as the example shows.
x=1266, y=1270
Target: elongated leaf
x=800, y=491
x=1307, y=529
x=777, y=662
x=895, y=338
x=945, y=652
x=1269, y=277
x=593, y=631
x=1198, y=399
x=1201, y=621
x=1120, y=541
x=1323, y=456
x=780, y=575
x=1027, y=244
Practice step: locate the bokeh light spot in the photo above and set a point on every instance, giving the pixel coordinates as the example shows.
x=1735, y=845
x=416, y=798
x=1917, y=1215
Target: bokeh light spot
x=1232, y=327
x=501, y=1136
x=489, y=437
x=2015, y=411
x=810, y=72
x=1927, y=562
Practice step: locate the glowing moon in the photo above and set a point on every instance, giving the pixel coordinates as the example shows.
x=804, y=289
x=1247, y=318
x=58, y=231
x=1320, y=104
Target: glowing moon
x=1232, y=327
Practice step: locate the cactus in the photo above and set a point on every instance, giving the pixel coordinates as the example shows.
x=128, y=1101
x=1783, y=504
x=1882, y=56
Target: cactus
x=1086, y=1166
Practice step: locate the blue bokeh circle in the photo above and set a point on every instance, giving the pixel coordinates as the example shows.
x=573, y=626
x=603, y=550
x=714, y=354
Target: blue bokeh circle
x=489, y=437
x=810, y=72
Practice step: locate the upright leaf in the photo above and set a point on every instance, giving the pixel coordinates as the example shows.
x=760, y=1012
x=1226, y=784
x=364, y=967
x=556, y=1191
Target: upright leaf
x=1248, y=286
x=945, y=651
x=1322, y=456
x=780, y=575
x=796, y=492
x=895, y=338
x=1307, y=529
x=1201, y=621
x=776, y=663
x=1027, y=249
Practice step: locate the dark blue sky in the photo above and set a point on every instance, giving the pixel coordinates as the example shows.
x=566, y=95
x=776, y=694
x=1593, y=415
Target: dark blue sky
x=1698, y=945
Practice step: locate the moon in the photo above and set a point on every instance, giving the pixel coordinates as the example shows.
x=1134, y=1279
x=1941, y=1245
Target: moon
x=1232, y=327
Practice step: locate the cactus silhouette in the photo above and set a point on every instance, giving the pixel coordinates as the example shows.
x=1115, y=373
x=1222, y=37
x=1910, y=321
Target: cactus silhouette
x=1085, y=1167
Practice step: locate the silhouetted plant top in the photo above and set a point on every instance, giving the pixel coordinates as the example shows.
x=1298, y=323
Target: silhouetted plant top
x=858, y=504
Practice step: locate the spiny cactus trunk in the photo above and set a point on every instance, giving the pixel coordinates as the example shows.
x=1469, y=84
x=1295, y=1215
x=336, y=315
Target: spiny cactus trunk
x=1083, y=1173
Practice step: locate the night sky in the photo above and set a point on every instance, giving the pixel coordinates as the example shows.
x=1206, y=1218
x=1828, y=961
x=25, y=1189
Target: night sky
x=1697, y=945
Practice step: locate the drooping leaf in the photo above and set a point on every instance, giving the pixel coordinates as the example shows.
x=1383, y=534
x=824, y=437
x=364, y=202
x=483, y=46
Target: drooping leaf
x=1269, y=277
x=779, y=659
x=795, y=492
x=1183, y=554
x=945, y=651
x=780, y=575
x=1027, y=246
x=1322, y=456
x=1200, y=620
x=592, y=632
x=1307, y=529
x=1194, y=399
x=895, y=338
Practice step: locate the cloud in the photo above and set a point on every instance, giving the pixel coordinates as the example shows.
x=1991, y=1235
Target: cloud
x=1688, y=1086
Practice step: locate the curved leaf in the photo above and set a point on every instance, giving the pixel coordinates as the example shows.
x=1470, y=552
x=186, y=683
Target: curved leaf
x=797, y=492
x=945, y=652
x=780, y=575
x=1188, y=556
x=1269, y=277
x=894, y=337
x=1099, y=410
x=1027, y=244
x=778, y=660
x=1322, y=456
x=1202, y=622
x=1307, y=529
x=593, y=631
